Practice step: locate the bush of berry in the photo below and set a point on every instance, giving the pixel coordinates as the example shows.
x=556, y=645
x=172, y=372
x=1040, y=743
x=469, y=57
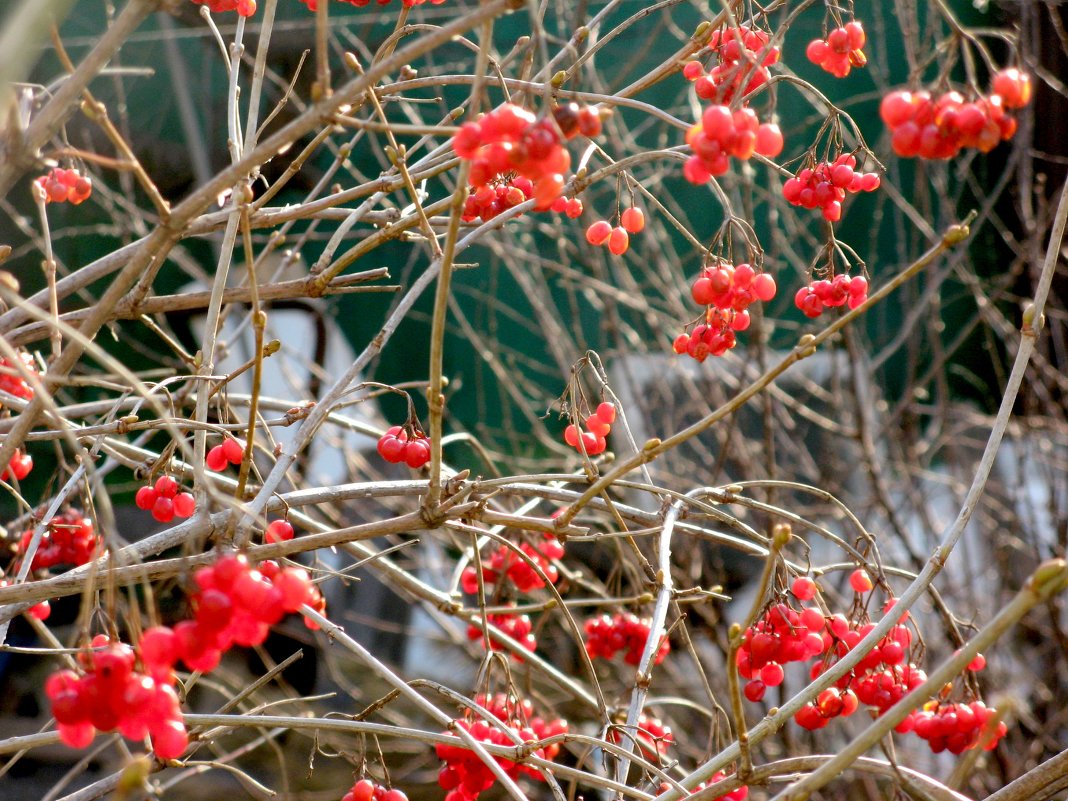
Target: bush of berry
x=612, y=570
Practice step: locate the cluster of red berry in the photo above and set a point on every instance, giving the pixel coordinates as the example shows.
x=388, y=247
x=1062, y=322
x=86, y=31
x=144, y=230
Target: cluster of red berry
x=738, y=55
x=11, y=380
x=464, y=776
x=955, y=727
x=231, y=451
x=504, y=563
x=721, y=133
x=489, y=200
x=623, y=631
x=594, y=439
x=518, y=627
x=313, y=5
x=575, y=120
x=112, y=694
x=165, y=501
x=234, y=604
x=654, y=737
x=367, y=790
x=570, y=206
x=880, y=679
x=246, y=8
x=825, y=186
x=782, y=635
x=19, y=467
x=40, y=611
x=940, y=128
x=70, y=539
x=727, y=290
x=396, y=447
x=840, y=51
x=510, y=139
x=65, y=186
x=631, y=221
x=824, y=293
x=740, y=794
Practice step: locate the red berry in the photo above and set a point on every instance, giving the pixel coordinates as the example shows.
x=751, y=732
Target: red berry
x=184, y=504
x=278, y=531
x=166, y=486
x=417, y=452
x=234, y=450
x=633, y=220
x=607, y=411
x=146, y=498
x=860, y=581
x=598, y=232
x=618, y=241
x=216, y=459
x=804, y=588
x=163, y=510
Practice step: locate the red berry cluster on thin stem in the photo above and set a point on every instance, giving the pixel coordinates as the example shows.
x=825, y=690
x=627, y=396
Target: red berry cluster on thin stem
x=504, y=564
x=69, y=539
x=825, y=293
x=69, y=186
x=782, y=635
x=518, y=627
x=11, y=379
x=112, y=694
x=956, y=727
x=19, y=467
x=602, y=232
x=939, y=128
x=510, y=139
x=570, y=206
x=397, y=445
x=246, y=8
x=840, y=51
x=654, y=737
x=737, y=52
x=313, y=5
x=727, y=291
x=234, y=603
x=230, y=451
x=40, y=611
x=598, y=425
x=464, y=776
x=825, y=186
x=623, y=631
x=722, y=133
x=165, y=501
x=367, y=790
x=740, y=794
x=489, y=200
